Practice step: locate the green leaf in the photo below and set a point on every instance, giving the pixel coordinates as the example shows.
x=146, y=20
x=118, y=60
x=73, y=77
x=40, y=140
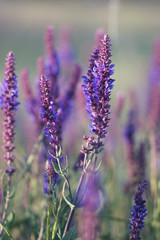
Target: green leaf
x=99, y=151
x=12, y=194
x=10, y=217
x=60, y=152
x=7, y=232
x=56, y=168
x=71, y=234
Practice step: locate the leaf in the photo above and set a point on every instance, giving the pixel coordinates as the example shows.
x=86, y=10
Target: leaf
x=99, y=151
x=10, y=217
x=71, y=234
x=56, y=168
x=12, y=194
x=7, y=232
x=60, y=152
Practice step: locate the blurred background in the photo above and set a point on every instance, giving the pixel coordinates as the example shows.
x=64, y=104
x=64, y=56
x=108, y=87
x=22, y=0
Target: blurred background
x=132, y=26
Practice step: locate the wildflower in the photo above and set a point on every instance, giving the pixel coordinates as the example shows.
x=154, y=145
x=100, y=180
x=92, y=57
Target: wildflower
x=98, y=36
x=132, y=159
x=70, y=93
x=48, y=112
x=9, y=105
x=50, y=177
x=97, y=88
x=65, y=49
x=138, y=213
x=49, y=169
x=51, y=67
x=119, y=104
x=28, y=93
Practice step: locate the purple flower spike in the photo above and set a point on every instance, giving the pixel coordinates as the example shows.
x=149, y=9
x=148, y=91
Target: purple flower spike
x=138, y=213
x=70, y=93
x=97, y=88
x=51, y=64
x=48, y=113
x=9, y=103
x=28, y=93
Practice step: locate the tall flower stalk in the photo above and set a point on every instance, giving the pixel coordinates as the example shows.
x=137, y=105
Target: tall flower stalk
x=97, y=89
x=9, y=105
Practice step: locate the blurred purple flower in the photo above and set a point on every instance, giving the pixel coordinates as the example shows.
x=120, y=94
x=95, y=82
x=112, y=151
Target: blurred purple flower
x=51, y=67
x=138, y=213
x=65, y=102
x=30, y=100
x=90, y=201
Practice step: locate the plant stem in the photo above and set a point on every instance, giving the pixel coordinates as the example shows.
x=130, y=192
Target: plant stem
x=72, y=210
x=31, y=157
x=71, y=213
x=41, y=228
x=6, y=202
x=57, y=216
x=49, y=215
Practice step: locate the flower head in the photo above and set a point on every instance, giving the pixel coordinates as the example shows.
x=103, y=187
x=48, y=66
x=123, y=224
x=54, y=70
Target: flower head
x=48, y=112
x=138, y=213
x=9, y=103
x=97, y=88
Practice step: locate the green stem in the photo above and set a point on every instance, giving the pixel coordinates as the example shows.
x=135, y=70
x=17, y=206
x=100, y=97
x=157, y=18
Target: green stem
x=57, y=216
x=31, y=157
x=7, y=232
x=6, y=204
x=48, y=217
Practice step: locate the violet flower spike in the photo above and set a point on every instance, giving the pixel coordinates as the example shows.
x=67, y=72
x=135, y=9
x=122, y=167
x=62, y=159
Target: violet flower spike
x=9, y=103
x=138, y=213
x=51, y=64
x=97, y=88
x=48, y=113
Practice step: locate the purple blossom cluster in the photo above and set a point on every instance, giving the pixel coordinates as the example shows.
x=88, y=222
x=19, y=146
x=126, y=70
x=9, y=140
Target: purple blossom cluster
x=48, y=112
x=97, y=88
x=138, y=213
x=9, y=103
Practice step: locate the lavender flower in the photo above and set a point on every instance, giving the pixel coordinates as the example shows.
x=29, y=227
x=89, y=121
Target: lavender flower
x=9, y=105
x=49, y=116
x=138, y=213
x=30, y=100
x=51, y=62
x=65, y=49
x=97, y=87
x=98, y=36
x=70, y=93
x=48, y=112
